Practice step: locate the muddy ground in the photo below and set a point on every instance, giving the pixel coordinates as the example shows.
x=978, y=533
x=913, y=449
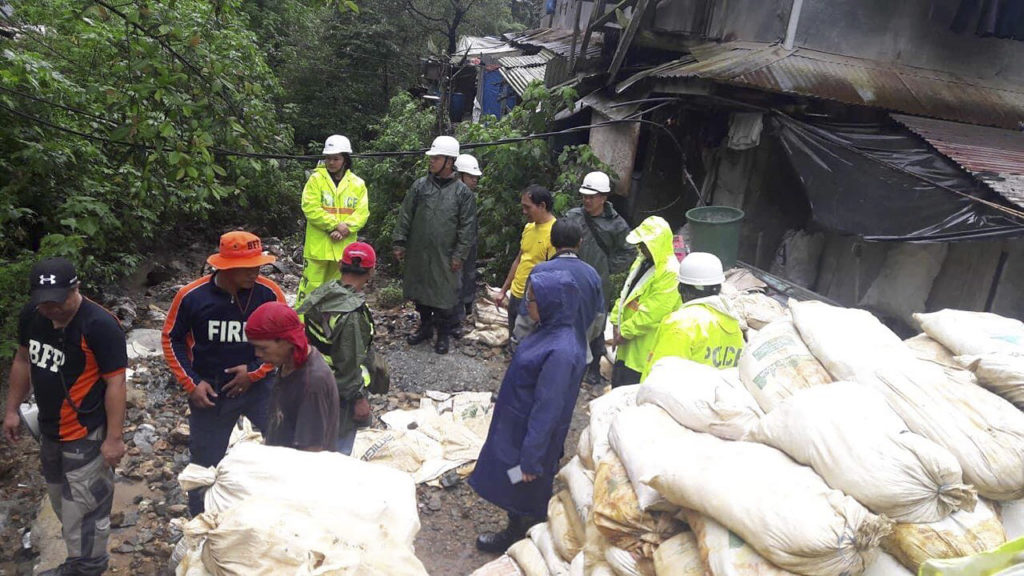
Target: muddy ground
x=148, y=497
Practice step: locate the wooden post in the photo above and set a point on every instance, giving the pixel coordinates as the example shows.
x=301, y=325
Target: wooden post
x=626, y=40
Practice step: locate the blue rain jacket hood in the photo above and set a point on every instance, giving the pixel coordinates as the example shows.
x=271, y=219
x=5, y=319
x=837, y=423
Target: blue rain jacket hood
x=535, y=403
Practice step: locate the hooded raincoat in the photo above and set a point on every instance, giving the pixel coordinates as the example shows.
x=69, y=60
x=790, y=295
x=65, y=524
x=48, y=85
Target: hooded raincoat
x=436, y=223
x=326, y=205
x=339, y=324
x=648, y=295
x=706, y=331
x=535, y=403
x=611, y=231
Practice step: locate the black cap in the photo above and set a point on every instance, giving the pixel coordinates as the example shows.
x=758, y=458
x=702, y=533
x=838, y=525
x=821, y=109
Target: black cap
x=51, y=280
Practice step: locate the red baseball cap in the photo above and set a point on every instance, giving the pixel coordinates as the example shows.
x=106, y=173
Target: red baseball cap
x=359, y=254
x=240, y=249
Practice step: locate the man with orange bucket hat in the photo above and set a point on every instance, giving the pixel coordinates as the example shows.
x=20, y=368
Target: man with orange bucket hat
x=207, y=351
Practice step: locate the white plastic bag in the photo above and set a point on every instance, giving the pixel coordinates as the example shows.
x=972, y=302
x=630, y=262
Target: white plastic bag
x=698, y=397
x=602, y=411
x=850, y=436
x=541, y=536
x=783, y=510
x=679, y=556
x=1002, y=374
x=1011, y=514
x=562, y=535
x=504, y=565
x=580, y=483
x=975, y=333
x=528, y=557
x=983, y=431
x=776, y=364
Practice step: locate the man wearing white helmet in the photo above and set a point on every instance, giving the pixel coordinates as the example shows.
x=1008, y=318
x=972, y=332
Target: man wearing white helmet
x=604, y=247
x=335, y=203
x=705, y=329
x=435, y=229
x=469, y=172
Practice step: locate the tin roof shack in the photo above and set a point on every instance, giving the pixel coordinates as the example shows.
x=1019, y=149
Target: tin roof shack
x=785, y=109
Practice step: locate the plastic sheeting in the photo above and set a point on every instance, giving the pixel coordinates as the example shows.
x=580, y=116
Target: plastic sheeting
x=883, y=183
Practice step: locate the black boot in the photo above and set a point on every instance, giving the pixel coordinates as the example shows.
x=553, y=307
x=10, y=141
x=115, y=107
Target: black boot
x=425, y=332
x=498, y=542
x=441, y=346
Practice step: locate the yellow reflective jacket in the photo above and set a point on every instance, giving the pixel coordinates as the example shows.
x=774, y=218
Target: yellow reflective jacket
x=325, y=206
x=705, y=331
x=640, y=308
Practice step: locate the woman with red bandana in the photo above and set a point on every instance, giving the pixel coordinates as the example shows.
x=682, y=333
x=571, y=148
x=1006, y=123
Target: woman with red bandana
x=304, y=403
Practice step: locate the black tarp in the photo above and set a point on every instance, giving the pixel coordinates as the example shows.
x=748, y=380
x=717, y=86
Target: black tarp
x=882, y=182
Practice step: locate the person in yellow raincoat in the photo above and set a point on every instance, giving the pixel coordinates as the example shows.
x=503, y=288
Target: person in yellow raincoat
x=335, y=203
x=705, y=329
x=648, y=295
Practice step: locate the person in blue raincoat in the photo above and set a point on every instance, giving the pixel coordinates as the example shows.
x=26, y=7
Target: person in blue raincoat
x=533, y=411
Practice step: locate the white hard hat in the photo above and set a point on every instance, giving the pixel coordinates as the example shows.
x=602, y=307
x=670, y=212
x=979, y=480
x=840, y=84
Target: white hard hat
x=701, y=269
x=596, y=183
x=444, y=146
x=466, y=164
x=337, y=144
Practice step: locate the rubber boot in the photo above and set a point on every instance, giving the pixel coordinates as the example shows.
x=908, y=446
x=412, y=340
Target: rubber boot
x=425, y=332
x=441, y=346
x=498, y=542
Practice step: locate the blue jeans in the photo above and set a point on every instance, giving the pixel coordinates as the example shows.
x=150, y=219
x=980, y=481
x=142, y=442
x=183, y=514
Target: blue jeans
x=210, y=429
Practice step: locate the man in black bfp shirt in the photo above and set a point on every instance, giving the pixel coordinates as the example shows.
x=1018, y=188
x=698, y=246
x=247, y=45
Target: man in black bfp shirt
x=72, y=354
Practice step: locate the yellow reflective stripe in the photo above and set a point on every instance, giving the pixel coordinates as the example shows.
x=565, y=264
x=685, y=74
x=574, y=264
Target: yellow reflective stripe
x=366, y=376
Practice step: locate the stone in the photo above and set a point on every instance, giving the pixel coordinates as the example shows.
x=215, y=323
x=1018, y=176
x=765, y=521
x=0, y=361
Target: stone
x=181, y=434
x=144, y=343
x=434, y=503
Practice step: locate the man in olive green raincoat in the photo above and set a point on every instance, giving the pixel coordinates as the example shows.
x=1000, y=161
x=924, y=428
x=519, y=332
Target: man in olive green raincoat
x=435, y=229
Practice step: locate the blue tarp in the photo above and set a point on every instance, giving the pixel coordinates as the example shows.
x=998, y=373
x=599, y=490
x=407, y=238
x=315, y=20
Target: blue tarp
x=492, y=90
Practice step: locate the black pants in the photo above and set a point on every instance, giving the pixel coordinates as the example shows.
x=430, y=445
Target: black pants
x=623, y=375
x=440, y=319
x=597, y=349
x=513, y=312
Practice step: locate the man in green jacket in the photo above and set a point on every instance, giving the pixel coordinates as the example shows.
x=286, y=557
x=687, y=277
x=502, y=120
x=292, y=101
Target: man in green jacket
x=436, y=227
x=339, y=325
x=336, y=207
x=604, y=247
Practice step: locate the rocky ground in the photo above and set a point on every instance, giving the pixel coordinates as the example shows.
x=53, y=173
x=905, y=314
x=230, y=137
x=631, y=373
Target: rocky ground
x=148, y=498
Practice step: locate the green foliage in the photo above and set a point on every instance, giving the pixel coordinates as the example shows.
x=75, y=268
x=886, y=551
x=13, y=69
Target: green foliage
x=178, y=82
x=509, y=168
x=389, y=294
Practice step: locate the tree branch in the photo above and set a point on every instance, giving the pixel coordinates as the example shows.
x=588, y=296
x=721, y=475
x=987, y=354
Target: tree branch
x=412, y=7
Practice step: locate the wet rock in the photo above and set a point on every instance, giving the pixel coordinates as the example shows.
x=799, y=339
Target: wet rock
x=180, y=435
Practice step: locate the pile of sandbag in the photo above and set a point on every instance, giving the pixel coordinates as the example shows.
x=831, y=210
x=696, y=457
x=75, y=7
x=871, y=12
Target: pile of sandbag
x=836, y=448
x=274, y=510
x=490, y=323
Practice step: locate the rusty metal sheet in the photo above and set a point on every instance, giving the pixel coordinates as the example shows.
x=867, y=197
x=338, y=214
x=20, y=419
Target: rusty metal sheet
x=992, y=155
x=853, y=81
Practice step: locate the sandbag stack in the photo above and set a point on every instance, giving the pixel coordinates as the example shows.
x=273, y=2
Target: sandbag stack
x=837, y=449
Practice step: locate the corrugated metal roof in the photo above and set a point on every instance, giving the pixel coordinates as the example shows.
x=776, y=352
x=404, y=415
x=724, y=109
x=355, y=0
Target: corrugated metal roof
x=851, y=80
x=538, y=59
x=557, y=40
x=520, y=78
x=994, y=156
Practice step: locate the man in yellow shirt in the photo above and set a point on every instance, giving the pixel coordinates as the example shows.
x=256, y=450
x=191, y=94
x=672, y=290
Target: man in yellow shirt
x=705, y=328
x=335, y=203
x=534, y=247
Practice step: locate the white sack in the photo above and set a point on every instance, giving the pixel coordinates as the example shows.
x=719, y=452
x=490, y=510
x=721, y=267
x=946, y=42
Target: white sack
x=983, y=431
x=783, y=510
x=528, y=557
x=755, y=309
x=976, y=333
x=562, y=535
x=725, y=554
x=268, y=536
x=643, y=451
x=679, y=556
x=580, y=483
x=961, y=534
x=906, y=278
x=504, y=565
x=1011, y=514
x=698, y=397
x=886, y=565
x=541, y=536
x=776, y=364
x=625, y=563
x=1002, y=374
x=584, y=449
x=602, y=411
x=576, y=566
x=850, y=436
x=386, y=497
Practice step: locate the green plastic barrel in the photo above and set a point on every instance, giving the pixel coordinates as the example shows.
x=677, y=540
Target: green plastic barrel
x=716, y=229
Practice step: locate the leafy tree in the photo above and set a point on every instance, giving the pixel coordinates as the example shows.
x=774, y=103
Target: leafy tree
x=118, y=121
